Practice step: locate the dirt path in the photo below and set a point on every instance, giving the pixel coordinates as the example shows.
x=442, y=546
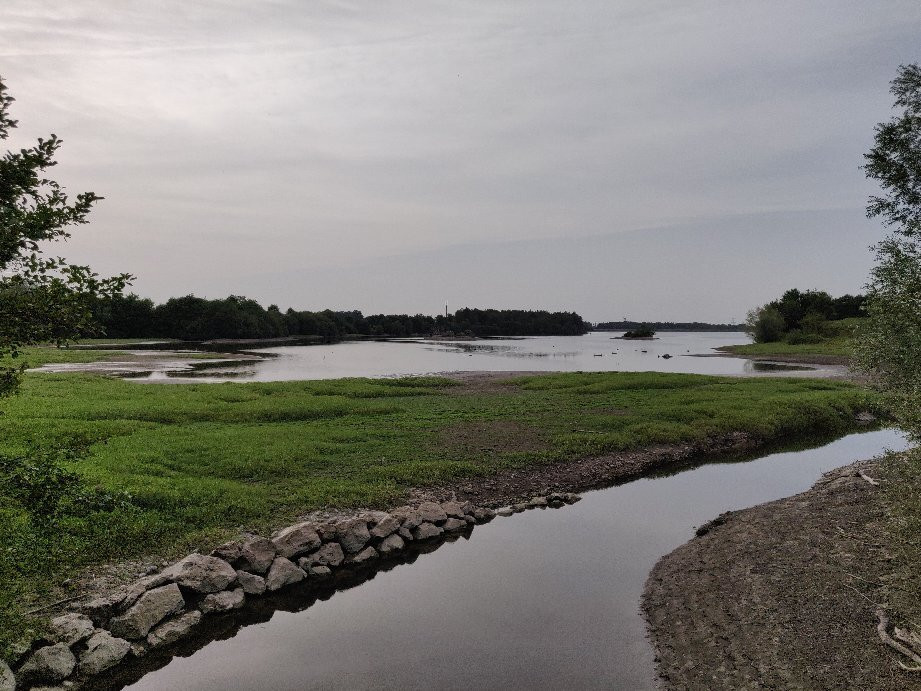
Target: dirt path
x=781, y=595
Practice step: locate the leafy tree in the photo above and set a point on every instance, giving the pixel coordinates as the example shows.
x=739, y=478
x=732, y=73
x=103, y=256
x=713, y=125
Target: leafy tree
x=41, y=299
x=889, y=339
x=765, y=324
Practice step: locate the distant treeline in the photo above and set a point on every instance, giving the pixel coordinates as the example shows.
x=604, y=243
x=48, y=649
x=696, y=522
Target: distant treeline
x=805, y=316
x=667, y=326
x=193, y=318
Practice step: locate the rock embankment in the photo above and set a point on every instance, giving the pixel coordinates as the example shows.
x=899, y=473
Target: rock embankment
x=164, y=608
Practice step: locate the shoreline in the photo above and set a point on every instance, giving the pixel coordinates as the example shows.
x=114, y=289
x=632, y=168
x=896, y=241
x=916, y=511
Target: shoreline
x=780, y=595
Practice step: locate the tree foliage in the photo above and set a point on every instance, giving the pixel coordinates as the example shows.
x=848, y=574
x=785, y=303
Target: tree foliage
x=888, y=346
x=41, y=298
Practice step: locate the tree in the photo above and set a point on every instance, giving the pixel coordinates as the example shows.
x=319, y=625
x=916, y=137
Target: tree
x=765, y=324
x=41, y=299
x=888, y=341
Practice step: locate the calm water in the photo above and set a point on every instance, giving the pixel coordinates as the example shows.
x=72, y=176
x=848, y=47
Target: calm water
x=543, y=599
x=593, y=352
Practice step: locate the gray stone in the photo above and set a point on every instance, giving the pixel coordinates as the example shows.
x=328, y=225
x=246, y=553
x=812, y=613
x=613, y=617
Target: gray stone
x=538, y=501
x=367, y=554
x=556, y=503
x=257, y=554
x=453, y=509
x=391, y=543
x=7, y=678
x=52, y=663
x=297, y=540
x=518, y=508
x=483, y=514
x=171, y=631
x=327, y=555
x=139, y=587
x=409, y=516
x=386, y=526
x=282, y=573
x=101, y=609
x=140, y=648
x=452, y=525
x=71, y=628
x=251, y=583
x=201, y=573
x=505, y=511
x=229, y=551
x=353, y=535
x=153, y=607
x=406, y=534
x=426, y=531
x=470, y=520
x=327, y=532
x=468, y=508
x=103, y=651
x=432, y=512
x=222, y=602
x=571, y=498
x=319, y=571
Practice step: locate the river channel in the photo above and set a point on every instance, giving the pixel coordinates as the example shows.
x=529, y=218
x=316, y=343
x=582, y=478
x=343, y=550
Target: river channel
x=541, y=599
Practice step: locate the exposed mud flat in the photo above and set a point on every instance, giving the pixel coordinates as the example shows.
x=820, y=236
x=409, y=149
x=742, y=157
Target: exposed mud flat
x=781, y=595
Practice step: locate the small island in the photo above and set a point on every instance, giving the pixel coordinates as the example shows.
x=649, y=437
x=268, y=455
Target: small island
x=643, y=332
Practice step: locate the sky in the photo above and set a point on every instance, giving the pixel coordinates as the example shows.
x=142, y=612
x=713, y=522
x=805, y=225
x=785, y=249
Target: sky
x=655, y=160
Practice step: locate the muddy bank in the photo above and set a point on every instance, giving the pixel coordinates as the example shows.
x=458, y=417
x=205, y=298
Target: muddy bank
x=781, y=595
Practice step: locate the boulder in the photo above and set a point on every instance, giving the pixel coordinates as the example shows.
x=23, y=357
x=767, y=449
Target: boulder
x=537, y=502
x=409, y=516
x=71, y=628
x=297, y=540
x=470, y=520
x=406, y=534
x=201, y=573
x=7, y=678
x=505, y=511
x=52, y=663
x=468, y=507
x=101, y=609
x=283, y=573
x=327, y=555
x=153, y=607
x=432, y=512
x=257, y=554
x=141, y=586
x=251, y=583
x=327, y=531
x=367, y=554
x=229, y=551
x=103, y=651
x=454, y=509
x=426, y=531
x=386, y=526
x=319, y=571
x=518, y=508
x=556, y=503
x=452, y=525
x=483, y=514
x=571, y=498
x=222, y=602
x=353, y=535
x=171, y=631
x=391, y=543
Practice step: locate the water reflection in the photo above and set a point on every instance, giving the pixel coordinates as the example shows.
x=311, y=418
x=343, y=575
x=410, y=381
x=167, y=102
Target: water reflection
x=542, y=599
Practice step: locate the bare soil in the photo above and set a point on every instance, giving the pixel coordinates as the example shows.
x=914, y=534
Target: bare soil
x=781, y=595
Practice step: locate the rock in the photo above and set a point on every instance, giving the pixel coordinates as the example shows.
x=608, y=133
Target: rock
x=405, y=533
x=297, y=540
x=153, y=607
x=483, y=514
x=257, y=554
x=468, y=508
x=171, y=631
x=7, y=678
x=386, y=526
x=470, y=520
x=327, y=532
x=282, y=573
x=71, y=628
x=229, y=551
x=505, y=511
x=432, y=512
x=367, y=554
x=556, y=503
x=251, y=583
x=353, y=535
x=319, y=571
x=538, y=502
x=571, y=498
x=518, y=508
x=392, y=543
x=410, y=517
x=452, y=525
x=103, y=651
x=453, y=508
x=140, y=648
x=865, y=418
x=139, y=587
x=327, y=555
x=101, y=609
x=202, y=574
x=222, y=602
x=51, y=663
x=426, y=531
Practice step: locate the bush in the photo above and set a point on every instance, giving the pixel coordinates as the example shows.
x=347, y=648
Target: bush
x=765, y=324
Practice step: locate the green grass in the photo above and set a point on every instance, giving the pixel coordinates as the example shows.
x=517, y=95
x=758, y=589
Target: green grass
x=202, y=461
x=37, y=356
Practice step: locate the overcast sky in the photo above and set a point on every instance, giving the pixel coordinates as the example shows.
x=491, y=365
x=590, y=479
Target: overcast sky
x=661, y=160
